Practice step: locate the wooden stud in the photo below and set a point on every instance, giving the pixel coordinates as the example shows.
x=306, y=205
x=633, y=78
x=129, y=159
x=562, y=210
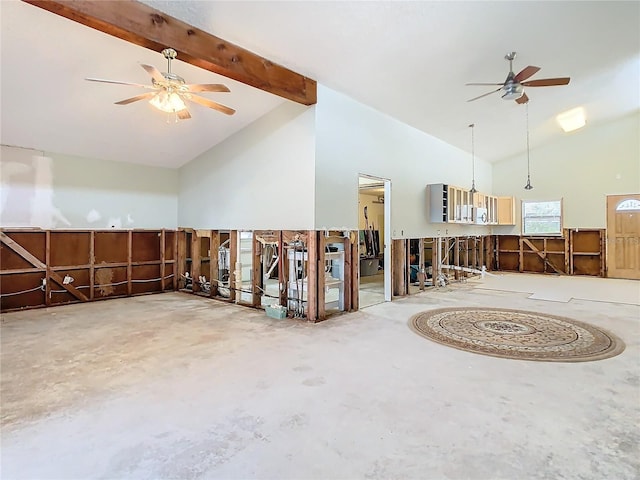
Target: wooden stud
x=233, y=259
x=422, y=274
x=196, y=262
x=355, y=270
x=312, y=276
x=256, y=271
x=407, y=265
x=129, y=254
x=456, y=256
x=435, y=260
x=162, y=265
x=181, y=255
x=92, y=261
x=568, y=250
x=283, y=271
x=147, y=27
x=521, y=256
x=321, y=277
x=348, y=258
x=47, y=256
x=398, y=267
x=214, y=265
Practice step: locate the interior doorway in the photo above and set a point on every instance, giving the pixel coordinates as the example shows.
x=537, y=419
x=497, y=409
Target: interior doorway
x=623, y=236
x=374, y=240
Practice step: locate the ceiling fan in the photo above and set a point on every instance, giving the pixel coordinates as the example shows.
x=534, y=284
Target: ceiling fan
x=513, y=86
x=170, y=90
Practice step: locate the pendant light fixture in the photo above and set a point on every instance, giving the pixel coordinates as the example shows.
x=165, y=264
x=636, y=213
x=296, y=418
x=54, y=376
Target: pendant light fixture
x=528, y=186
x=473, y=160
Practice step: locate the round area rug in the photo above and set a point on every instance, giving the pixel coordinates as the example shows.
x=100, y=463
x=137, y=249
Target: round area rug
x=516, y=334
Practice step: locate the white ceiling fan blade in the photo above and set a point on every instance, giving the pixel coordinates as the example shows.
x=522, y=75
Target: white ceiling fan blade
x=484, y=83
x=207, y=87
x=485, y=94
x=154, y=72
x=208, y=103
x=117, y=82
x=143, y=96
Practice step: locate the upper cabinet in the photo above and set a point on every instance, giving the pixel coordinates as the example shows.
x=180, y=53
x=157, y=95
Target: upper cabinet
x=506, y=211
x=450, y=204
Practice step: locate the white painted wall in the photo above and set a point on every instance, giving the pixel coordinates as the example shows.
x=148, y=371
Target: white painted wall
x=260, y=178
x=353, y=138
x=50, y=190
x=582, y=167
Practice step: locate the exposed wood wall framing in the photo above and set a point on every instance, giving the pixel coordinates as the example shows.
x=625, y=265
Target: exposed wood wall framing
x=312, y=273
x=576, y=252
x=147, y=27
x=419, y=263
x=45, y=268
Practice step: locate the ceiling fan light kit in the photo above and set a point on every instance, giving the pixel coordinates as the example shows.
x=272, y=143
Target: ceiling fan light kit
x=168, y=102
x=170, y=91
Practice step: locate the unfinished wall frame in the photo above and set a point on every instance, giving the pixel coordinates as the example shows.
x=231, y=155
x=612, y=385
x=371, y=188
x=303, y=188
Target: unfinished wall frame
x=426, y=262
x=576, y=252
x=311, y=273
x=40, y=268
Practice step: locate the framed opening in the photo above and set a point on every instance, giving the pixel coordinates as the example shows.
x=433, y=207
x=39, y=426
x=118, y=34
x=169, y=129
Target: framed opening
x=542, y=217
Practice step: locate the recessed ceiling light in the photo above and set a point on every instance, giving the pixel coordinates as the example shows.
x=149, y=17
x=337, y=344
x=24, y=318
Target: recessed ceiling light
x=572, y=119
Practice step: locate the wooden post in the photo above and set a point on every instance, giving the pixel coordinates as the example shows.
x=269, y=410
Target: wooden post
x=456, y=257
x=465, y=243
x=283, y=271
x=321, y=276
x=399, y=269
x=47, y=261
x=355, y=270
x=162, y=266
x=256, y=271
x=407, y=265
x=233, y=259
x=195, y=261
x=92, y=261
x=422, y=274
x=474, y=253
x=129, y=267
x=348, y=258
x=181, y=255
x=568, y=251
x=436, y=253
x=214, y=249
x=312, y=276
x=521, y=255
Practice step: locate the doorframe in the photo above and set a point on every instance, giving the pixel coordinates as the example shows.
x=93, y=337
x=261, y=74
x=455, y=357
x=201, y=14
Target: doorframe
x=386, y=250
x=610, y=232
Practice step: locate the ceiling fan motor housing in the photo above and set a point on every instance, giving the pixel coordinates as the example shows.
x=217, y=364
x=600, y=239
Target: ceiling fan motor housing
x=512, y=91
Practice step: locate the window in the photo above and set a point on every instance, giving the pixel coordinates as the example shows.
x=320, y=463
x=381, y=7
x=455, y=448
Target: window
x=630, y=204
x=542, y=218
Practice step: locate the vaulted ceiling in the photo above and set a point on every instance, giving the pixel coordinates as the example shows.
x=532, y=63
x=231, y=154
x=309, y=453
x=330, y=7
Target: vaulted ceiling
x=410, y=60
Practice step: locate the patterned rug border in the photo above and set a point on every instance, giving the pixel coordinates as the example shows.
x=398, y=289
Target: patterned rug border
x=616, y=348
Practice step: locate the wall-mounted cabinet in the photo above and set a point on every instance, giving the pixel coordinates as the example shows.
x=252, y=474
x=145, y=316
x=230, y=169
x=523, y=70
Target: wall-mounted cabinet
x=506, y=211
x=450, y=204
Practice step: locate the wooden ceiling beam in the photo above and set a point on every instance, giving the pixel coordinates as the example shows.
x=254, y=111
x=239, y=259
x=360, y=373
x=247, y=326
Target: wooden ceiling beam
x=147, y=27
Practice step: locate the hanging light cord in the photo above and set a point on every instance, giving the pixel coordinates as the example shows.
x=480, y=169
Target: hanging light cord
x=473, y=159
x=528, y=171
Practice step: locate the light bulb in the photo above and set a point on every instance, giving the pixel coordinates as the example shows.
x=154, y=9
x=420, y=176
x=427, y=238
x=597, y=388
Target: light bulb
x=169, y=102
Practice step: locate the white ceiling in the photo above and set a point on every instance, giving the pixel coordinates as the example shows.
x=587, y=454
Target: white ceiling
x=407, y=59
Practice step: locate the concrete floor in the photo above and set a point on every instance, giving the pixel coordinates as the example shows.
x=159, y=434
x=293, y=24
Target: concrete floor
x=179, y=386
